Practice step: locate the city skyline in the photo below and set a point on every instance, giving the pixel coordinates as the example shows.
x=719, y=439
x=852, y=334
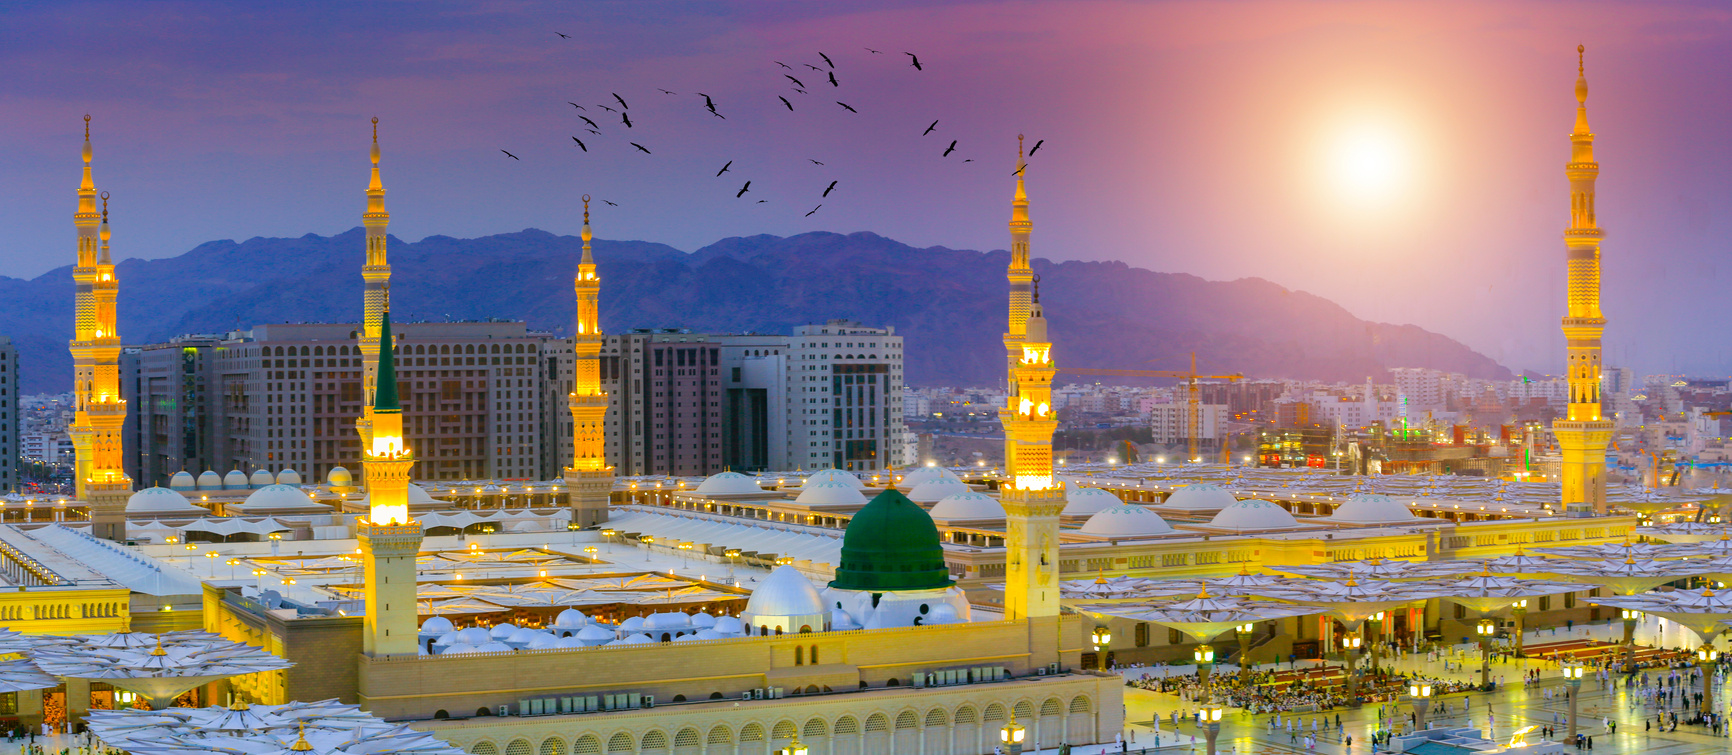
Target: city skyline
x=1451, y=120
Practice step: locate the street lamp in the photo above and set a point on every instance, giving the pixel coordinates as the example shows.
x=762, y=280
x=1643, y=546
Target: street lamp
x=1705, y=658
x=1243, y=634
x=1102, y=639
x=1630, y=618
x=1521, y=612
x=1573, y=675
x=1211, y=725
x=685, y=551
x=1420, y=693
x=647, y=541
x=1011, y=736
x=590, y=551
x=1205, y=657
x=1350, y=648
x=732, y=554
x=1486, y=629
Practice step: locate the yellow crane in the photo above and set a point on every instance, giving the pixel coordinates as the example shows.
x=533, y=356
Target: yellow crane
x=1190, y=377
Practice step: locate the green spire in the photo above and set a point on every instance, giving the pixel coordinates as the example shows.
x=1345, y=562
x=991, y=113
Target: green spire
x=385, y=396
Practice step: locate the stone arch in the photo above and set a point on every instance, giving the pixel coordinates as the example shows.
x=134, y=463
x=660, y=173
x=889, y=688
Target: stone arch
x=720, y=735
x=994, y=712
x=847, y=725
x=907, y=720
x=1050, y=707
x=655, y=739
x=586, y=745
x=519, y=747
x=485, y=748
x=1025, y=710
x=687, y=740
x=1080, y=704
x=814, y=728
x=877, y=722
x=752, y=733
x=937, y=717
x=553, y=746
x=620, y=742
x=784, y=729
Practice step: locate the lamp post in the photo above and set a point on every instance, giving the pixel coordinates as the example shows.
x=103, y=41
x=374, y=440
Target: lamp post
x=1350, y=649
x=1205, y=657
x=732, y=554
x=1211, y=725
x=647, y=541
x=1420, y=694
x=1243, y=634
x=1573, y=675
x=607, y=538
x=590, y=551
x=1374, y=628
x=1011, y=736
x=1521, y=626
x=1705, y=657
x=1630, y=619
x=1486, y=630
x=795, y=747
x=1102, y=641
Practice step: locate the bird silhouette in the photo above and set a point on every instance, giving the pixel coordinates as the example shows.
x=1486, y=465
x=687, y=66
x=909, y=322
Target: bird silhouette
x=761, y=201
x=797, y=82
x=627, y=118
x=827, y=60
x=743, y=190
x=874, y=52
x=1019, y=170
x=828, y=189
x=593, y=131
x=592, y=124
x=813, y=67
x=929, y=128
x=784, y=65
x=580, y=144
x=969, y=160
x=845, y=107
x=563, y=36
x=1036, y=147
x=724, y=169
x=814, y=162
x=949, y=149
x=801, y=91
x=914, y=60
x=641, y=147
x=622, y=104
x=604, y=107
x=833, y=79
x=709, y=103
x=610, y=204
x=785, y=102
x=575, y=105
x=718, y=115
x=508, y=154
x=814, y=209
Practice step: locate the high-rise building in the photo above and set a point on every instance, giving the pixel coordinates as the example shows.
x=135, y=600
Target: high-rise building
x=11, y=448
x=99, y=410
x=1584, y=435
x=170, y=426
x=589, y=478
x=844, y=394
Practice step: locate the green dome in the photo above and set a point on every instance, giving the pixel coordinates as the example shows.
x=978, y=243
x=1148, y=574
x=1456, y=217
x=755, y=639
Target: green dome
x=891, y=544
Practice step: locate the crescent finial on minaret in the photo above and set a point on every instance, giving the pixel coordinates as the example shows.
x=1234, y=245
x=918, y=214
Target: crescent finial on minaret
x=105, y=207
x=586, y=209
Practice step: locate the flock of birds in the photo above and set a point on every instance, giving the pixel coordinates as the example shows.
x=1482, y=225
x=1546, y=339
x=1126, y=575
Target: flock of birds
x=825, y=74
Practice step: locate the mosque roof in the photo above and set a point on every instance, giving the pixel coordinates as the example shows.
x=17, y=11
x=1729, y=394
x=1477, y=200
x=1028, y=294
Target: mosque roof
x=210, y=480
x=1081, y=501
x=891, y=544
x=161, y=501
x=327, y=727
x=934, y=490
x=339, y=476
x=830, y=494
x=1200, y=497
x=922, y=474
x=280, y=497
x=236, y=480
x=785, y=592
x=1253, y=514
x=182, y=480
x=970, y=505
x=728, y=483
x=261, y=478
x=1372, y=508
x=1126, y=520
x=834, y=475
x=288, y=477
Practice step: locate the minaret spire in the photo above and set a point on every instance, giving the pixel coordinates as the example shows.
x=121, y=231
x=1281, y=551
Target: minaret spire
x=98, y=411
x=376, y=297
x=389, y=537
x=589, y=479
x=1584, y=435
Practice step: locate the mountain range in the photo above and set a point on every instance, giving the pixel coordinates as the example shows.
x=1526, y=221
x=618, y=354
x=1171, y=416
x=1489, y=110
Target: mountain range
x=948, y=303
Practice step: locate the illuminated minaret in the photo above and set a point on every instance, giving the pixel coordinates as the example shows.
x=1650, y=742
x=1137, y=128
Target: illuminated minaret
x=1032, y=496
x=389, y=538
x=376, y=298
x=1021, y=278
x=99, y=411
x=1584, y=435
x=589, y=480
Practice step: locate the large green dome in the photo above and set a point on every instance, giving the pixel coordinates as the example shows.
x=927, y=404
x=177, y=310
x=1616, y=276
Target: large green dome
x=891, y=544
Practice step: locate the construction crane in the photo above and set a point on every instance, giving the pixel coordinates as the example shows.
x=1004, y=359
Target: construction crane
x=1190, y=377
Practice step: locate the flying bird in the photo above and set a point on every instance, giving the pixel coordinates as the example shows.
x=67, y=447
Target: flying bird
x=1036, y=147
x=724, y=169
x=743, y=190
x=785, y=102
x=784, y=65
x=610, y=204
x=761, y=201
x=949, y=149
x=664, y=91
x=827, y=60
x=797, y=82
x=622, y=104
x=592, y=124
x=508, y=154
x=627, y=118
x=827, y=189
x=845, y=107
x=575, y=105
x=1019, y=170
x=813, y=67
x=874, y=52
x=929, y=128
x=969, y=160
x=814, y=162
x=580, y=144
x=709, y=103
x=641, y=147
x=593, y=131
x=801, y=91
x=814, y=209
x=604, y=107
x=833, y=79
x=718, y=115
x=914, y=60
x=563, y=36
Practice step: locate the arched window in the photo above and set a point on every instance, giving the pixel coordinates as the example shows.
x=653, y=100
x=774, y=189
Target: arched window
x=799, y=656
x=814, y=655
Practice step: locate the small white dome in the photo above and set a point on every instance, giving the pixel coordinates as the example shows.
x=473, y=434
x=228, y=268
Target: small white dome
x=543, y=640
x=1081, y=501
x=703, y=620
x=502, y=631
x=632, y=624
x=261, y=478
x=278, y=496
x=785, y=592
x=458, y=648
x=687, y=638
x=210, y=480
x=830, y=494
x=1372, y=508
x=182, y=480
x=636, y=639
x=842, y=621
x=474, y=636
x=1126, y=520
x=1253, y=514
x=935, y=490
x=1200, y=497
x=915, y=477
x=438, y=625
x=160, y=501
x=339, y=477
x=236, y=480
x=523, y=637
x=448, y=639
x=288, y=477
x=708, y=634
x=729, y=625
x=568, y=643
x=728, y=483
x=834, y=475
x=970, y=505
x=594, y=635
x=571, y=618
x=944, y=613
x=494, y=647
x=668, y=620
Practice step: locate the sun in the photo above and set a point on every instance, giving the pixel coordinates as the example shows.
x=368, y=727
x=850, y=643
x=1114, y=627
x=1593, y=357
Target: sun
x=1367, y=164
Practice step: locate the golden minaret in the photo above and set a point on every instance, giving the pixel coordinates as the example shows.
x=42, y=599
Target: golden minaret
x=1584, y=435
x=389, y=537
x=1032, y=496
x=589, y=479
x=376, y=298
x=1021, y=278
x=99, y=411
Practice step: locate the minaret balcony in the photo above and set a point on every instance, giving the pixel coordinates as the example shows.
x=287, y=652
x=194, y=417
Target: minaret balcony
x=1584, y=233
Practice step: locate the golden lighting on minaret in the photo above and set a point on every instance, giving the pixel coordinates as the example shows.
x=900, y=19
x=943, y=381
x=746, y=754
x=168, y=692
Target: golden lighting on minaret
x=1584, y=436
x=389, y=538
x=588, y=480
x=98, y=411
x=376, y=297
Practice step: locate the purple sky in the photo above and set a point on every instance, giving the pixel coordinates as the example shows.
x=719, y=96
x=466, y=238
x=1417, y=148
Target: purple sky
x=1198, y=137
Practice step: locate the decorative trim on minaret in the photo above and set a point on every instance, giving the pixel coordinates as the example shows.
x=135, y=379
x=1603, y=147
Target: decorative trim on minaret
x=98, y=412
x=589, y=480
x=1584, y=434
x=376, y=297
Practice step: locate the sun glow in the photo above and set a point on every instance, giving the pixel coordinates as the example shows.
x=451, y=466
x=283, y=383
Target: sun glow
x=1367, y=163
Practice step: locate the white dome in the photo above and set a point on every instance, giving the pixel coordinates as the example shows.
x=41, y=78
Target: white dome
x=1253, y=514
x=631, y=624
x=543, y=640
x=448, y=639
x=210, y=480
x=917, y=476
x=688, y=638
x=438, y=625
x=708, y=634
x=594, y=635
x=841, y=620
x=728, y=625
x=160, y=501
x=182, y=480
x=944, y=613
x=1372, y=508
x=668, y=620
x=1200, y=497
x=933, y=491
x=288, y=477
x=261, y=478
x=568, y=643
x=339, y=477
x=728, y=483
x=523, y=637
x=1081, y=501
x=703, y=620
x=494, y=647
x=474, y=636
x=1127, y=520
x=636, y=639
x=278, y=496
x=502, y=631
x=785, y=592
x=834, y=475
x=459, y=648
x=970, y=505
x=830, y=494
x=236, y=480
x=571, y=618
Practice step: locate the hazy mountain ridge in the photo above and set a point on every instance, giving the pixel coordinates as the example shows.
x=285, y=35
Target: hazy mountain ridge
x=949, y=303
